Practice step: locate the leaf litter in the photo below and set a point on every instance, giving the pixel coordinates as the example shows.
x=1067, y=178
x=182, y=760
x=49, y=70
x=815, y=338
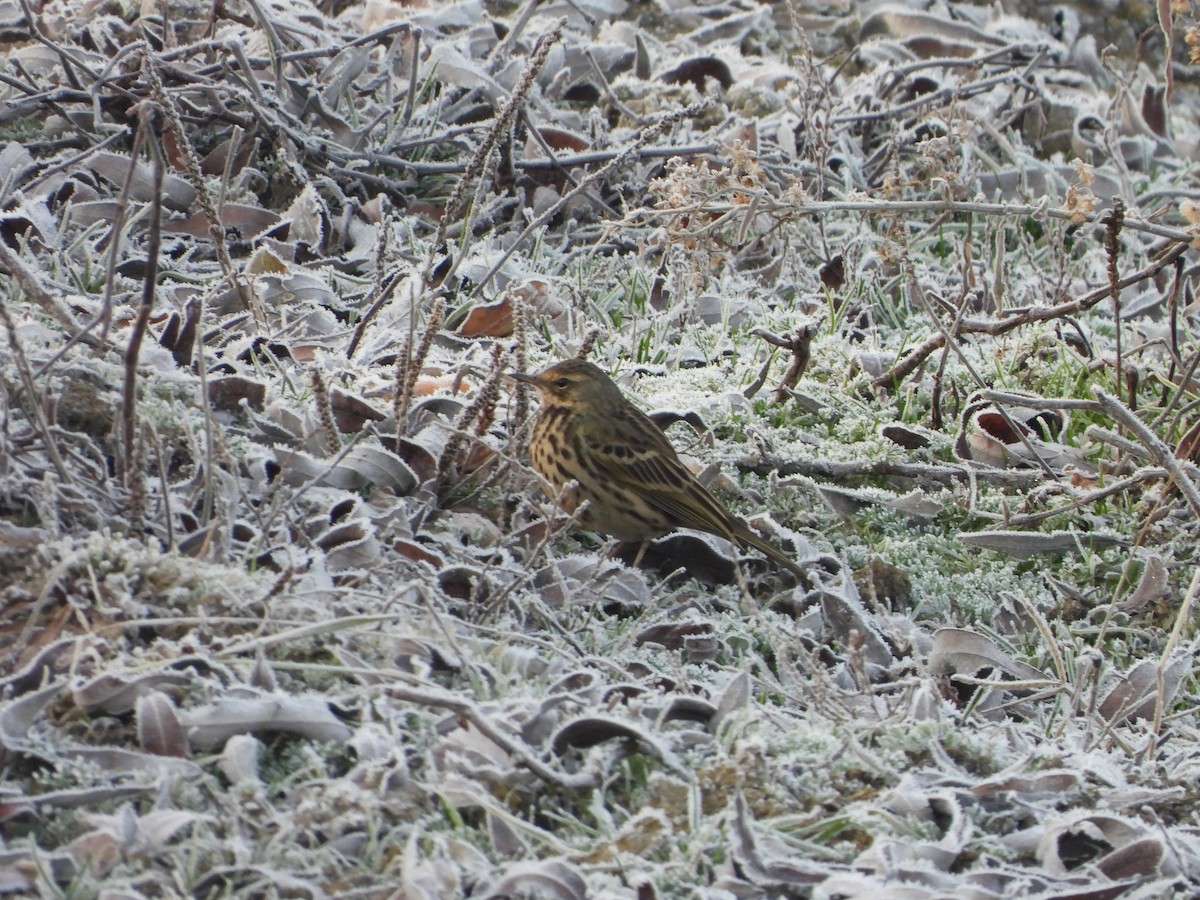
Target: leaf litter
x=284, y=611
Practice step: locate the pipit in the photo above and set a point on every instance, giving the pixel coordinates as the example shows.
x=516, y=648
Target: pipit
x=637, y=488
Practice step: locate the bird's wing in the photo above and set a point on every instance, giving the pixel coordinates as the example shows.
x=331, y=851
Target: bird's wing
x=654, y=470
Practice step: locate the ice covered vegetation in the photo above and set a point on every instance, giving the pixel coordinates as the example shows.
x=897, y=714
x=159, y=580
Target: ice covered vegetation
x=912, y=288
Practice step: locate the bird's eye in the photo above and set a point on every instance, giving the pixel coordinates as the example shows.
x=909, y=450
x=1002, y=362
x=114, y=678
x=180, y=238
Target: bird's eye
x=563, y=383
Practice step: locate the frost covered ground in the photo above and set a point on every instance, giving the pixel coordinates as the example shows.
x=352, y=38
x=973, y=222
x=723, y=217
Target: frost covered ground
x=285, y=613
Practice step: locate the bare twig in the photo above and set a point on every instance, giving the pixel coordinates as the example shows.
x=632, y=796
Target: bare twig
x=1180, y=471
x=1112, y=248
x=836, y=470
x=204, y=198
x=1019, y=318
x=150, y=122
x=650, y=133
x=1182, y=618
x=32, y=394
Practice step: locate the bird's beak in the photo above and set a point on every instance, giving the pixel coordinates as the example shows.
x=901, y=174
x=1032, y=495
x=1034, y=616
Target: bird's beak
x=521, y=376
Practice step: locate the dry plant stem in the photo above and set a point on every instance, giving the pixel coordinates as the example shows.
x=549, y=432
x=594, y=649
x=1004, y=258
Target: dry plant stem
x=1180, y=472
x=116, y=230
x=68, y=58
x=409, y=366
x=413, y=363
x=21, y=274
x=1181, y=388
x=589, y=341
x=562, y=161
x=787, y=209
x=410, y=97
x=1117, y=487
x=1040, y=402
x=250, y=82
x=325, y=412
x=32, y=395
x=150, y=122
x=519, y=407
x=609, y=94
x=1173, y=308
x=274, y=47
x=386, y=290
x=936, y=98
x=501, y=51
x=210, y=425
x=799, y=345
x=1112, y=246
x=491, y=138
x=160, y=464
x=73, y=163
x=996, y=327
x=476, y=411
x=536, y=134
x=831, y=470
x=466, y=709
x=650, y=133
x=317, y=479
x=1181, y=618
x=1113, y=439
x=196, y=179
x=403, y=391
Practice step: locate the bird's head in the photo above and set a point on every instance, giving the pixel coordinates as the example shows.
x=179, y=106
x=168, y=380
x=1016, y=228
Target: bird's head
x=573, y=382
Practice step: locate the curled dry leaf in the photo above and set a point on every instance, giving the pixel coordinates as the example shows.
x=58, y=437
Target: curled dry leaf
x=506, y=841
x=127, y=835
x=693, y=554
x=1152, y=588
x=211, y=725
x=351, y=413
x=908, y=437
x=735, y=698
x=18, y=716
x=1080, y=837
x=674, y=635
x=551, y=879
x=854, y=628
x=239, y=759
x=489, y=320
x=1136, y=694
x=428, y=385
x=1062, y=783
x=117, y=693
x=177, y=194
x=588, y=731
x=685, y=708
x=581, y=581
x=560, y=139
x=248, y=221
x=364, y=465
x=776, y=872
x=1025, y=544
x=696, y=71
x=229, y=392
x=957, y=651
x=350, y=545
x=159, y=729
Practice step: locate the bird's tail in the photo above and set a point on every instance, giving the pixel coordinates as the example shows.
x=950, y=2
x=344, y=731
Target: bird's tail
x=747, y=537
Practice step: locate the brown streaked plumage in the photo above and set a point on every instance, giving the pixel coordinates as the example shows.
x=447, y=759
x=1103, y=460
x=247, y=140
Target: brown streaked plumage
x=637, y=488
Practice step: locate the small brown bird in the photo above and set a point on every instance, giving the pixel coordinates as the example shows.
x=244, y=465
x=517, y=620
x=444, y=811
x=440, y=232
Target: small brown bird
x=637, y=489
